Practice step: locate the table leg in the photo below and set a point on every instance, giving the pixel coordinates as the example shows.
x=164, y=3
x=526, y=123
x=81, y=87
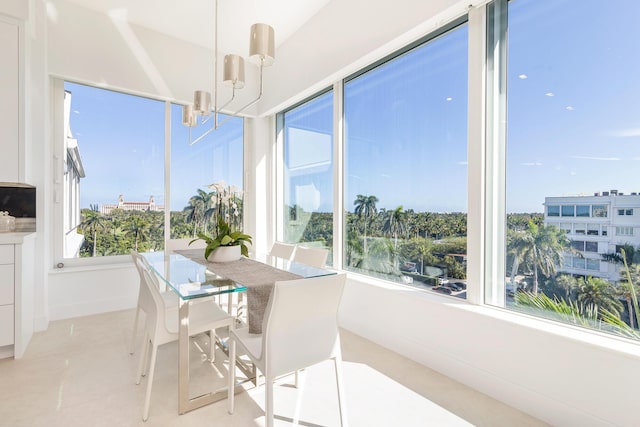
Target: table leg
x=186, y=403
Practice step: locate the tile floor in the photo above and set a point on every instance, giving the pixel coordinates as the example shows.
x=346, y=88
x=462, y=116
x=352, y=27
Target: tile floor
x=79, y=373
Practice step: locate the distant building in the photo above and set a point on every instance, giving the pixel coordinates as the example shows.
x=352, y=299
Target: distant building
x=596, y=225
x=73, y=173
x=149, y=206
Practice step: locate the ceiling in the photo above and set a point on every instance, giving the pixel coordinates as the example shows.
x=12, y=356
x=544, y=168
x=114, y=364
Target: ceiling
x=192, y=20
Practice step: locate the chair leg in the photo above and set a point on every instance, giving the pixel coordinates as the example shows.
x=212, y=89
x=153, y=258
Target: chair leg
x=212, y=345
x=132, y=346
x=341, y=403
x=147, y=399
x=268, y=401
x=231, y=392
x=143, y=355
x=145, y=370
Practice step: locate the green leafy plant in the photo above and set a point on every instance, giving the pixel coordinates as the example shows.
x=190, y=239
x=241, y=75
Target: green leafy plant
x=224, y=237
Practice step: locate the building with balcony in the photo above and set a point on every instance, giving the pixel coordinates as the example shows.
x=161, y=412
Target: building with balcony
x=597, y=224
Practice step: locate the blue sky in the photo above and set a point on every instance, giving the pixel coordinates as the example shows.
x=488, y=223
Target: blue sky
x=573, y=122
x=128, y=158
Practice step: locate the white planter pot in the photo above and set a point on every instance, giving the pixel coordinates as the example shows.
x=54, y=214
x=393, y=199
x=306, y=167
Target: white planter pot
x=225, y=254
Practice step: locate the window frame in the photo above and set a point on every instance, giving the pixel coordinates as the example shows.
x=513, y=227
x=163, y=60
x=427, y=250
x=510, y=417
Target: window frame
x=58, y=135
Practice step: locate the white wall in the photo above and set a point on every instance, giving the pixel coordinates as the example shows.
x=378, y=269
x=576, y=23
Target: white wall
x=81, y=291
x=555, y=373
x=346, y=36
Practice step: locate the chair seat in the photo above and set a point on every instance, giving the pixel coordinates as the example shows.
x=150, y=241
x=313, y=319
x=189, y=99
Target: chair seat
x=251, y=342
x=203, y=317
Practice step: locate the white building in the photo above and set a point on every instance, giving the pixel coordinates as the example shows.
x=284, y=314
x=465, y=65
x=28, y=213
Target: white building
x=149, y=206
x=73, y=172
x=596, y=225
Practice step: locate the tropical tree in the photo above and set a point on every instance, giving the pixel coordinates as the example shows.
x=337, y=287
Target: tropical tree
x=198, y=209
x=365, y=208
x=600, y=294
x=540, y=248
x=567, y=282
x=629, y=288
x=136, y=228
x=93, y=222
x=115, y=226
x=395, y=223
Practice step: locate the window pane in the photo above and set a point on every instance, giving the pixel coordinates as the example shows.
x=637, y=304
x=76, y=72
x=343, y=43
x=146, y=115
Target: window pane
x=577, y=245
x=308, y=173
x=573, y=102
x=591, y=246
x=114, y=173
x=406, y=166
x=583, y=210
x=553, y=210
x=599, y=211
x=206, y=177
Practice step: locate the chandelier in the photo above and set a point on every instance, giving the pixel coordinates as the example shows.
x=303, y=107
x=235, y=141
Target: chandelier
x=261, y=50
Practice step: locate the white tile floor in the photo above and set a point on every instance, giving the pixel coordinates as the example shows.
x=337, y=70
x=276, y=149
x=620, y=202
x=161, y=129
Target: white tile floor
x=79, y=373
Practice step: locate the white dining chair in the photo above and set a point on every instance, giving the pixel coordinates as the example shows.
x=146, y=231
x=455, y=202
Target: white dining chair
x=170, y=298
x=300, y=329
x=183, y=243
x=282, y=250
x=161, y=327
x=315, y=257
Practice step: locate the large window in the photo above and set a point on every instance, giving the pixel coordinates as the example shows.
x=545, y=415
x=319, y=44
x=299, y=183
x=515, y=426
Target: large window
x=405, y=192
x=206, y=177
x=573, y=101
x=307, y=209
x=114, y=174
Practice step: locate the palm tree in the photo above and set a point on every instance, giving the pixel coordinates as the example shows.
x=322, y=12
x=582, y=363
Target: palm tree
x=93, y=221
x=137, y=228
x=365, y=208
x=566, y=282
x=115, y=225
x=541, y=248
x=395, y=222
x=629, y=288
x=517, y=244
x=600, y=294
x=199, y=210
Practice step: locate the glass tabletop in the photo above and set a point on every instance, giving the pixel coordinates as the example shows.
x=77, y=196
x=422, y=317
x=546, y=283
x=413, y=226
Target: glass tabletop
x=190, y=279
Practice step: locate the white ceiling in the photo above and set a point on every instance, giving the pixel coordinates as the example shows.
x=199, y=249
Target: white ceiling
x=192, y=20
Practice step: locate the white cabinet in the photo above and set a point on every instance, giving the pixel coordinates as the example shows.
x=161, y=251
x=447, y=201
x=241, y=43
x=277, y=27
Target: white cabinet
x=16, y=293
x=7, y=289
x=11, y=102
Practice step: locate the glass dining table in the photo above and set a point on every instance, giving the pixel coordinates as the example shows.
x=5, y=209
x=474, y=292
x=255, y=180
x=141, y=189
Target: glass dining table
x=191, y=277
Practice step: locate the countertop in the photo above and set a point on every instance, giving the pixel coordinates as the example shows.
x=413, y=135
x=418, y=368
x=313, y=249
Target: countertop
x=14, y=238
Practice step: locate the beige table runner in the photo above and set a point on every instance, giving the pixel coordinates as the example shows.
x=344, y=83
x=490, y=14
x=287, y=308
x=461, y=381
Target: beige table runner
x=257, y=277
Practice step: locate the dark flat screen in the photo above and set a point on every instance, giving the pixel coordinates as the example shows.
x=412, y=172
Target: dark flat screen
x=20, y=202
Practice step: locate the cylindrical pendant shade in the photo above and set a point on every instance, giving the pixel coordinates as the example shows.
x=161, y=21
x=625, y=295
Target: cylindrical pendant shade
x=202, y=102
x=262, y=43
x=233, y=71
x=189, y=117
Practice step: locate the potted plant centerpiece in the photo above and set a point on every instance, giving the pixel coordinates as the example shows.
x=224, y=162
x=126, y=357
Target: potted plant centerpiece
x=227, y=245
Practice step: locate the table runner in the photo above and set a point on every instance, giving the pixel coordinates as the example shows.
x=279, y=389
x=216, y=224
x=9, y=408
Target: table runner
x=259, y=279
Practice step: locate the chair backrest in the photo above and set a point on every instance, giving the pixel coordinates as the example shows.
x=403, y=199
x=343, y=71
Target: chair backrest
x=152, y=303
x=144, y=299
x=282, y=250
x=315, y=257
x=173, y=244
x=300, y=327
